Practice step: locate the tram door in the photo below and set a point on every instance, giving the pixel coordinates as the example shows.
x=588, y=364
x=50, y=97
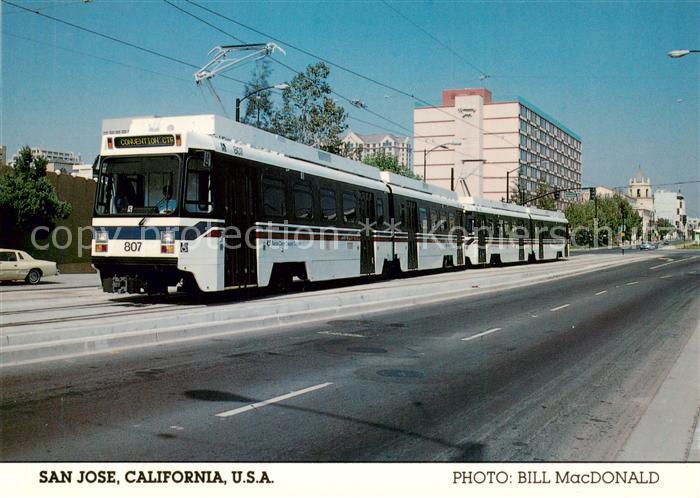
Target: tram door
x=239, y=206
x=481, y=231
x=540, y=237
x=366, y=217
x=412, y=228
x=521, y=243
x=460, y=238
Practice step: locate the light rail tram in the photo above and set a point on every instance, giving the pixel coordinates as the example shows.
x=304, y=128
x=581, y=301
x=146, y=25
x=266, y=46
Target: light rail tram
x=209, y=204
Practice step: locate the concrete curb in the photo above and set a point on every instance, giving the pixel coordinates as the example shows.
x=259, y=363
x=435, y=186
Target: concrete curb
x=668, y=430
x=194, y=324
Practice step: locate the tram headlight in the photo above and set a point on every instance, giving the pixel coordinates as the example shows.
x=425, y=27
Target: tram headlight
x=167, y=242
x=167, y=237
x=101, y=239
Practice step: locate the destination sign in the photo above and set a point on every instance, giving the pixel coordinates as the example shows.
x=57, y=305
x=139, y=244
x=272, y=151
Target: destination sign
x=144, y=141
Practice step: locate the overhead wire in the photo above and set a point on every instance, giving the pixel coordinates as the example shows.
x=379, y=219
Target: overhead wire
x=373, y=80
x=112, y=38
x=105, y=59
x=281, y=63
x=295, y=71
x=46, y=7
x=185, y=63
x=344, y=68
x=483, y=75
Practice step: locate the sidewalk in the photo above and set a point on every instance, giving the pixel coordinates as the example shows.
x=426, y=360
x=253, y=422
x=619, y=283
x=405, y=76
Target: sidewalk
x=668, y=431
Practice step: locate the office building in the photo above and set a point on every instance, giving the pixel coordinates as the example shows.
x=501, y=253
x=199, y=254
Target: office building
x=361, y=146
x=489, y=141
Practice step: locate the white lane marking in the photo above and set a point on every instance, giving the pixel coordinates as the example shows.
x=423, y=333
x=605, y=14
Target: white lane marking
x=632, y=283
x=273, y=400
x=343, y=334
x=666, y=276
x=560, y=307
x=601, y=292
x=489, y=331
x=671, y=262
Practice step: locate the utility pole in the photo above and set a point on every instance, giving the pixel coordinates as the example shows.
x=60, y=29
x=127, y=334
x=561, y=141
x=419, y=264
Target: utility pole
x=622, y=232
x=592, y=195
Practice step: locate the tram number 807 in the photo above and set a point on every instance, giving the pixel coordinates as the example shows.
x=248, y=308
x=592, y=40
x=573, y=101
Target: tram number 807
x=132, y=246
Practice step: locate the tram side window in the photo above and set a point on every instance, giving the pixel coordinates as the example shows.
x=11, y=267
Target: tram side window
x=303, y=202
x=434, y=220
x=349, y=208
x=423, y=219
x=198, y=193
x=274, y=202
x=328, y=209
x=470, y=224
x=558, y=232
x=380, y=213
x=451, y=221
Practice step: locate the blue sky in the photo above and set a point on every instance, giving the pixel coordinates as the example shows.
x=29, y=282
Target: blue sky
x=598, y=67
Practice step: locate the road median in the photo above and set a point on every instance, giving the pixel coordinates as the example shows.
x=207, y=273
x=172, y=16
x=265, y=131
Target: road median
x=24, y=344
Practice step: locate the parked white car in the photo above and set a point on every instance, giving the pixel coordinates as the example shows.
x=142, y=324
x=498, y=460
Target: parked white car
x=18, y=265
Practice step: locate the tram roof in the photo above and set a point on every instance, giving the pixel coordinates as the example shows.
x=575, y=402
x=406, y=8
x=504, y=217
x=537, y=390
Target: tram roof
x=210, y=131
x=506, y=209
x=216, y=127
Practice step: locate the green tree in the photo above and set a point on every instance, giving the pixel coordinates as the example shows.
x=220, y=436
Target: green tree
x=611, y=213
x=308, y=114
x=518, y=193
x=351, y=151
x=27, y=197
x=546, y=201
x=389, y=162
x=259, y=107
x=664, y=227
x=581, y=220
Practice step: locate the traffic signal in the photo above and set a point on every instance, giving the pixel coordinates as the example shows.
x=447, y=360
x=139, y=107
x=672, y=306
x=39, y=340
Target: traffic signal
x=591, y=193
x=557, y=194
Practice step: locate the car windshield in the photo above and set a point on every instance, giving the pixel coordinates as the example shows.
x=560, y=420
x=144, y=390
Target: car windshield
x=139, y=185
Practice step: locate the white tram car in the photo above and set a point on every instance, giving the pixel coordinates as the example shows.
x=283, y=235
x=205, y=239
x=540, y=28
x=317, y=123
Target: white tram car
x=211, y=204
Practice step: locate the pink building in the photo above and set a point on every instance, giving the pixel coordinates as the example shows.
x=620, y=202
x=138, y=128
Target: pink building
x=489, y=141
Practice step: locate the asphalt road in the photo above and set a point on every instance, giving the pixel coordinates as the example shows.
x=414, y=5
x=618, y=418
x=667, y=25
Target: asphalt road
x=661, y=250
x=559, y=371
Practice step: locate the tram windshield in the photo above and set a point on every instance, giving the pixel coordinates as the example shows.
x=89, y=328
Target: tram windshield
x=139, y=185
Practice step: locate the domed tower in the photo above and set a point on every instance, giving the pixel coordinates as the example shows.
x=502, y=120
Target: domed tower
x=641, y=192
x=643, y=203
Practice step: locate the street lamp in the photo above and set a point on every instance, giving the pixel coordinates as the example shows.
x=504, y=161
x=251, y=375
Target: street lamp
x=508, y=183
x=426, y=152
x=676, y=54
x=281, y=86
x=539, y=163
